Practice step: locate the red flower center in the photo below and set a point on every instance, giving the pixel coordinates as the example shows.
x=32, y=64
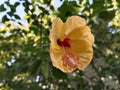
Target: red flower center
x=64, y=43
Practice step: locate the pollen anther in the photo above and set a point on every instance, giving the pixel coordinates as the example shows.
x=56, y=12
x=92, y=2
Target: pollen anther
x=70, y=60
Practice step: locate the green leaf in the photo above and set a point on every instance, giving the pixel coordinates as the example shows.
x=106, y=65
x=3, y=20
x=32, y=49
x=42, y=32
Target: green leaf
x=107, y=15
x=118, y=1
x=4, y=19
x=68, y=9
x=10, y=13
x=97, y=6
x=16, y=16
x=34, y=67
x=1, y=38
x=2, y=8
x=7, y=3
x=59, y=74
x=16, y=4
x=45, y=69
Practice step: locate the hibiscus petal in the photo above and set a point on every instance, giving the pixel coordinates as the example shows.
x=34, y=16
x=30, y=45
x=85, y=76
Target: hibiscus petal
x=75, y=34
x=85, y=58
x=57, y=28
x=80, y=45
x=79, y=32
x=87, y=35
x=73, y=23
x=56, y=57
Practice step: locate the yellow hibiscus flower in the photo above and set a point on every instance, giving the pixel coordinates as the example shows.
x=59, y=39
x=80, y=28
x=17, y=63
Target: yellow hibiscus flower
x=71, y=44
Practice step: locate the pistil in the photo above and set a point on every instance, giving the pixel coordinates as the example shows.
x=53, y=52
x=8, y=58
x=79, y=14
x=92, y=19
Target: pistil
x=64, y=43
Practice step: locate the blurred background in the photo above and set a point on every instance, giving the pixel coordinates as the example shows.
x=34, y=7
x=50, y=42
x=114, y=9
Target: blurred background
x=24, y=45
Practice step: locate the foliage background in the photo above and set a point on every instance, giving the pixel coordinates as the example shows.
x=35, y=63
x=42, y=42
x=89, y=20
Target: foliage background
x=24, y=47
